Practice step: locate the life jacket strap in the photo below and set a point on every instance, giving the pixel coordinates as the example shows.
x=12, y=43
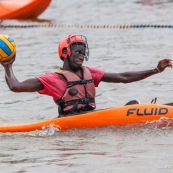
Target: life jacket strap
x=75, y=104
x=80, y=82
x=79, y=101
x=85, y=109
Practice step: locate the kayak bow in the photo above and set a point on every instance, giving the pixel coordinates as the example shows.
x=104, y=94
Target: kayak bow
x=25, y=9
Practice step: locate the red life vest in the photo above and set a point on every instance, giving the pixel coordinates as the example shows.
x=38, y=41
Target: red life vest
x=79, y=95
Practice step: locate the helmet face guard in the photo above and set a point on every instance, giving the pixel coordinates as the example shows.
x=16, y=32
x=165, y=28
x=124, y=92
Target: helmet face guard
x=64, y=48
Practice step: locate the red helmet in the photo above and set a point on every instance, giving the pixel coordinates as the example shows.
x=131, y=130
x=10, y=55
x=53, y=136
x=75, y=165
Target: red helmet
x=64, y=45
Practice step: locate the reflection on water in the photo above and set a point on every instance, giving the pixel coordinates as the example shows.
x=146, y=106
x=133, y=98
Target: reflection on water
x=154, y=2
x=110, y=148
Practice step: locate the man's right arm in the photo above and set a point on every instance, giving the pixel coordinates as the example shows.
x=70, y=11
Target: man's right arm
x=30, y=85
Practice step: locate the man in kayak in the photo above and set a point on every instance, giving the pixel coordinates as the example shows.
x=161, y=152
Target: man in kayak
x=73, y=86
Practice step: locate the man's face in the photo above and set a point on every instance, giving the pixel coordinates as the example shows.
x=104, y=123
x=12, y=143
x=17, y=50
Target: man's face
x=77, y=55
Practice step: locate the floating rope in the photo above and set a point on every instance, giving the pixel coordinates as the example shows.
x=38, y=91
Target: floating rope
x=86, y=26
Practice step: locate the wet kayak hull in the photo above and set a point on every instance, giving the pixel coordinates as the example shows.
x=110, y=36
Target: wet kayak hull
x=118, y=116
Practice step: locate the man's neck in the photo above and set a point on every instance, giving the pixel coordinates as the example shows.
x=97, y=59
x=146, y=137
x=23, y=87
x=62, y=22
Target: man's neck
x=67, y=67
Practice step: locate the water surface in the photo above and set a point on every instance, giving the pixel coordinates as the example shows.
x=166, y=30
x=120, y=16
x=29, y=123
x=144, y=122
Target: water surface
x=114, y=149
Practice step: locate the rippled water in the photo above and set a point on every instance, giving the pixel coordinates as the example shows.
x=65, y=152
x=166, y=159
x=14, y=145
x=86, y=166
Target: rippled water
x=124, y=149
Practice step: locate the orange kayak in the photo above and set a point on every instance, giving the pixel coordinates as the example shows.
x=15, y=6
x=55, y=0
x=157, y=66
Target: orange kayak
x=118, y=116
x=24, y=9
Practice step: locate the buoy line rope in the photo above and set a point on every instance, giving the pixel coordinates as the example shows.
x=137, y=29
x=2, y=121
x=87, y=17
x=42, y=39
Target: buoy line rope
x=85, y=26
